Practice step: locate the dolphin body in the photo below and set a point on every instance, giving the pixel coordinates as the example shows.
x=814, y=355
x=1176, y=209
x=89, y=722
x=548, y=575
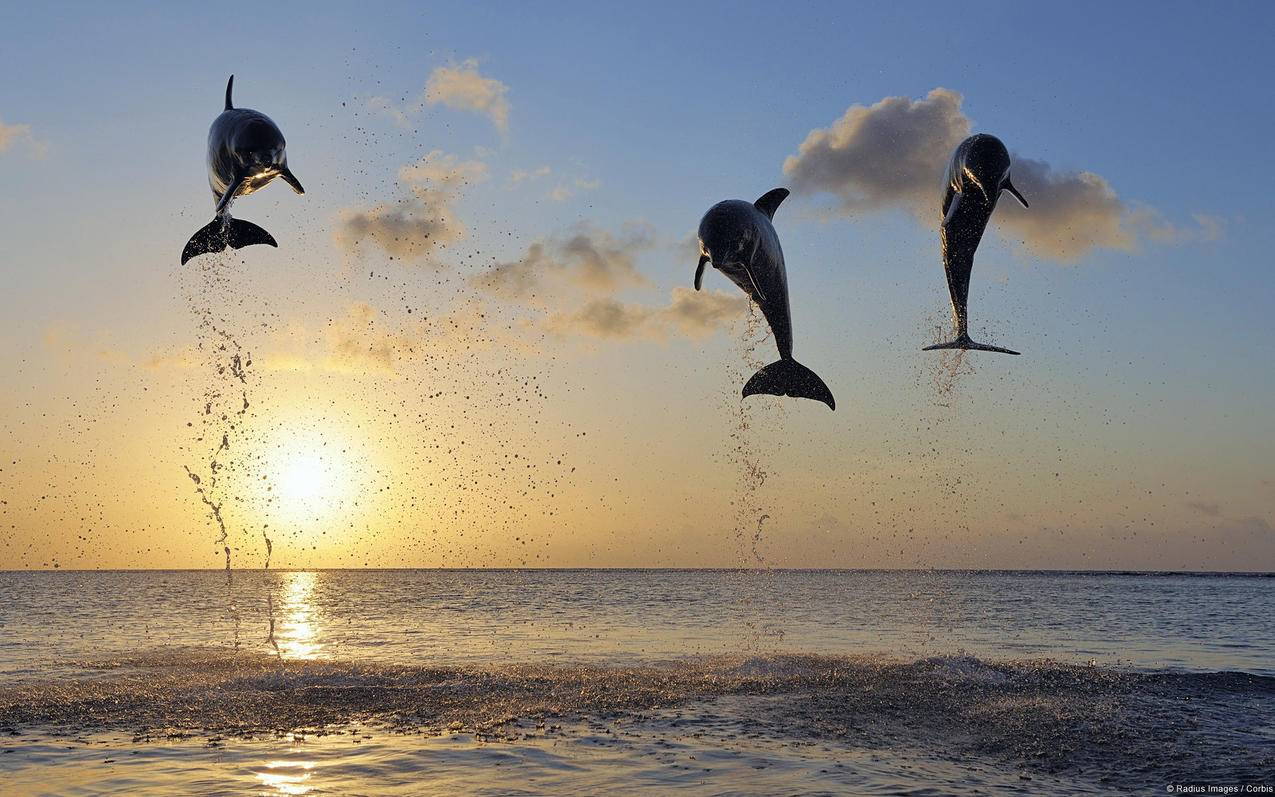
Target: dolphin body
x=979, y=171
x=740, y=240
x=245, y=151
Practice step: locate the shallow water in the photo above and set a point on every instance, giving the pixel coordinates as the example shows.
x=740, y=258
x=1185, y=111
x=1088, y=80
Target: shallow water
x=578, y=682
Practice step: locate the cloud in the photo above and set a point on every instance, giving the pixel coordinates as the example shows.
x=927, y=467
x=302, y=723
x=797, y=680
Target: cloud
x=892, y=155
x=356, y=344
x=441, y=171
x=690, y=313
x=459, y=86
x=564, y=190
x=362, y=342
x=415, y=226
x=1071, y=213
x=462, y=87
x=11, y=135
x=889, y=154
x=568, y=286
x=588, y=259
x=519, y=176
x=383, y=105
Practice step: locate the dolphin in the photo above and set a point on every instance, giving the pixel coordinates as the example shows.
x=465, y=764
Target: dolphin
x=979, y=171
x=245, y=151
x=740, y=240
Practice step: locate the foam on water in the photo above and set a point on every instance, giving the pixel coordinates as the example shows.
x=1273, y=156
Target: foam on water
x=1061, y=719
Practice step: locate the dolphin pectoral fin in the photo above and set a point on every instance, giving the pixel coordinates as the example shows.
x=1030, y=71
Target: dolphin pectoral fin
x=964, y=342
x=768, y=202
x=753, y=280
x=229, y=196
x=951, y=209
x=209, y=238
x=1008, y=186
x=699, y=271
x=291, y=180
x=788, y=377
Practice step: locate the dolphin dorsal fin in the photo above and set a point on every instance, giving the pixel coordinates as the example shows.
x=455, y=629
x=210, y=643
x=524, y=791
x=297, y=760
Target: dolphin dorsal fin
x=768, y=202
x=229, y=85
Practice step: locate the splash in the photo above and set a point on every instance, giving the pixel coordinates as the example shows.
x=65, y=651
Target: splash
x=1112, y=724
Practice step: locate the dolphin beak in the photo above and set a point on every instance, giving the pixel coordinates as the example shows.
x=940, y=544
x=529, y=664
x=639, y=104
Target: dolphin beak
x=1008, y=186
x=290, y=180
x=699, y=271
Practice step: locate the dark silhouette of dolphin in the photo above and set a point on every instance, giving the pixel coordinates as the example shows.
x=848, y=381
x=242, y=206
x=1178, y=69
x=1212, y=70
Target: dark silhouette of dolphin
x=245, y=151
x=979, y=171
x=740, y=240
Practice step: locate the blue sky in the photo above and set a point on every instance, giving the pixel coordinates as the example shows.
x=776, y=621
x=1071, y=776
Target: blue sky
x=1156, y=360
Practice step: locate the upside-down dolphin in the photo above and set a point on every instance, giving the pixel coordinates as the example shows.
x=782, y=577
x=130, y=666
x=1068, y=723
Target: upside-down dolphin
x=740, y=241
x=979, y=171
x=245, y=151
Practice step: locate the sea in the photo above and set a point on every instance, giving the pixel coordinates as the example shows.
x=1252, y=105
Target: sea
x=619, y=682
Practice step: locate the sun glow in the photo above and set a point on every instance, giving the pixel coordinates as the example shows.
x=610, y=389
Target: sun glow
x=310, y=474
x=304, y=478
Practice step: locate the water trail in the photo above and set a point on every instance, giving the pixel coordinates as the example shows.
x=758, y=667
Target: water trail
x=270, y=617
x=750, y=516
x=269, y=546
x=223, y=357
x=744, y=455
x=949, y=368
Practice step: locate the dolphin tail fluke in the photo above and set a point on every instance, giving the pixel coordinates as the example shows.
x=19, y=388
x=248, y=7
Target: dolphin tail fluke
x=219, y=233
x=240, y=233
x=964, y=342
x=790, y=378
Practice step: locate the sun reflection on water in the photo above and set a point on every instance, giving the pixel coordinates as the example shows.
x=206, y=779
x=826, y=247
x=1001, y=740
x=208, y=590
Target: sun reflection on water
x=299, y=631
x=287, y=777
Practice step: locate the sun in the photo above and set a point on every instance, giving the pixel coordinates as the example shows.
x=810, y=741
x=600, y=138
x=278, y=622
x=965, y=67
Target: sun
x=309, y=473
x=305, y=478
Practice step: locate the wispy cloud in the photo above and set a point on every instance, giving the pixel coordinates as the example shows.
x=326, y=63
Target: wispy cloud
x=589, y=259
x=13, y=136
x=569, y=286
x=892, y=155
x=692, y=314
x=458, y=86
x=462, y=87
x=519, y=176
x=415, y=226
x=564, y=190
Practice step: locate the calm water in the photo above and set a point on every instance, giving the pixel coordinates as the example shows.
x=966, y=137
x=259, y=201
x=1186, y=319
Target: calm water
x=578, y=682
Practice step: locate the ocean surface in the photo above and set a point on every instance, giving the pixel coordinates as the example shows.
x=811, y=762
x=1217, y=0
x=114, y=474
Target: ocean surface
x=582, y=682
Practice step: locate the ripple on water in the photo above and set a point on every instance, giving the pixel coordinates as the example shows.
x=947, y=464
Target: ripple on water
x=1087, y=723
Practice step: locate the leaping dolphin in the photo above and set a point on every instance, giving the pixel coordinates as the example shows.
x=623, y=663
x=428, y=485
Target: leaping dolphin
x=740, y=240
x=979, y=171
x=245, y=151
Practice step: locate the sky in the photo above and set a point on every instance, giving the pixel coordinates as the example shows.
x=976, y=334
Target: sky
x=477, y=343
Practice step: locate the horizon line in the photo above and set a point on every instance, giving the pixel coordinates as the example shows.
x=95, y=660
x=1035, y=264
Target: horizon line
x=602, y=568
